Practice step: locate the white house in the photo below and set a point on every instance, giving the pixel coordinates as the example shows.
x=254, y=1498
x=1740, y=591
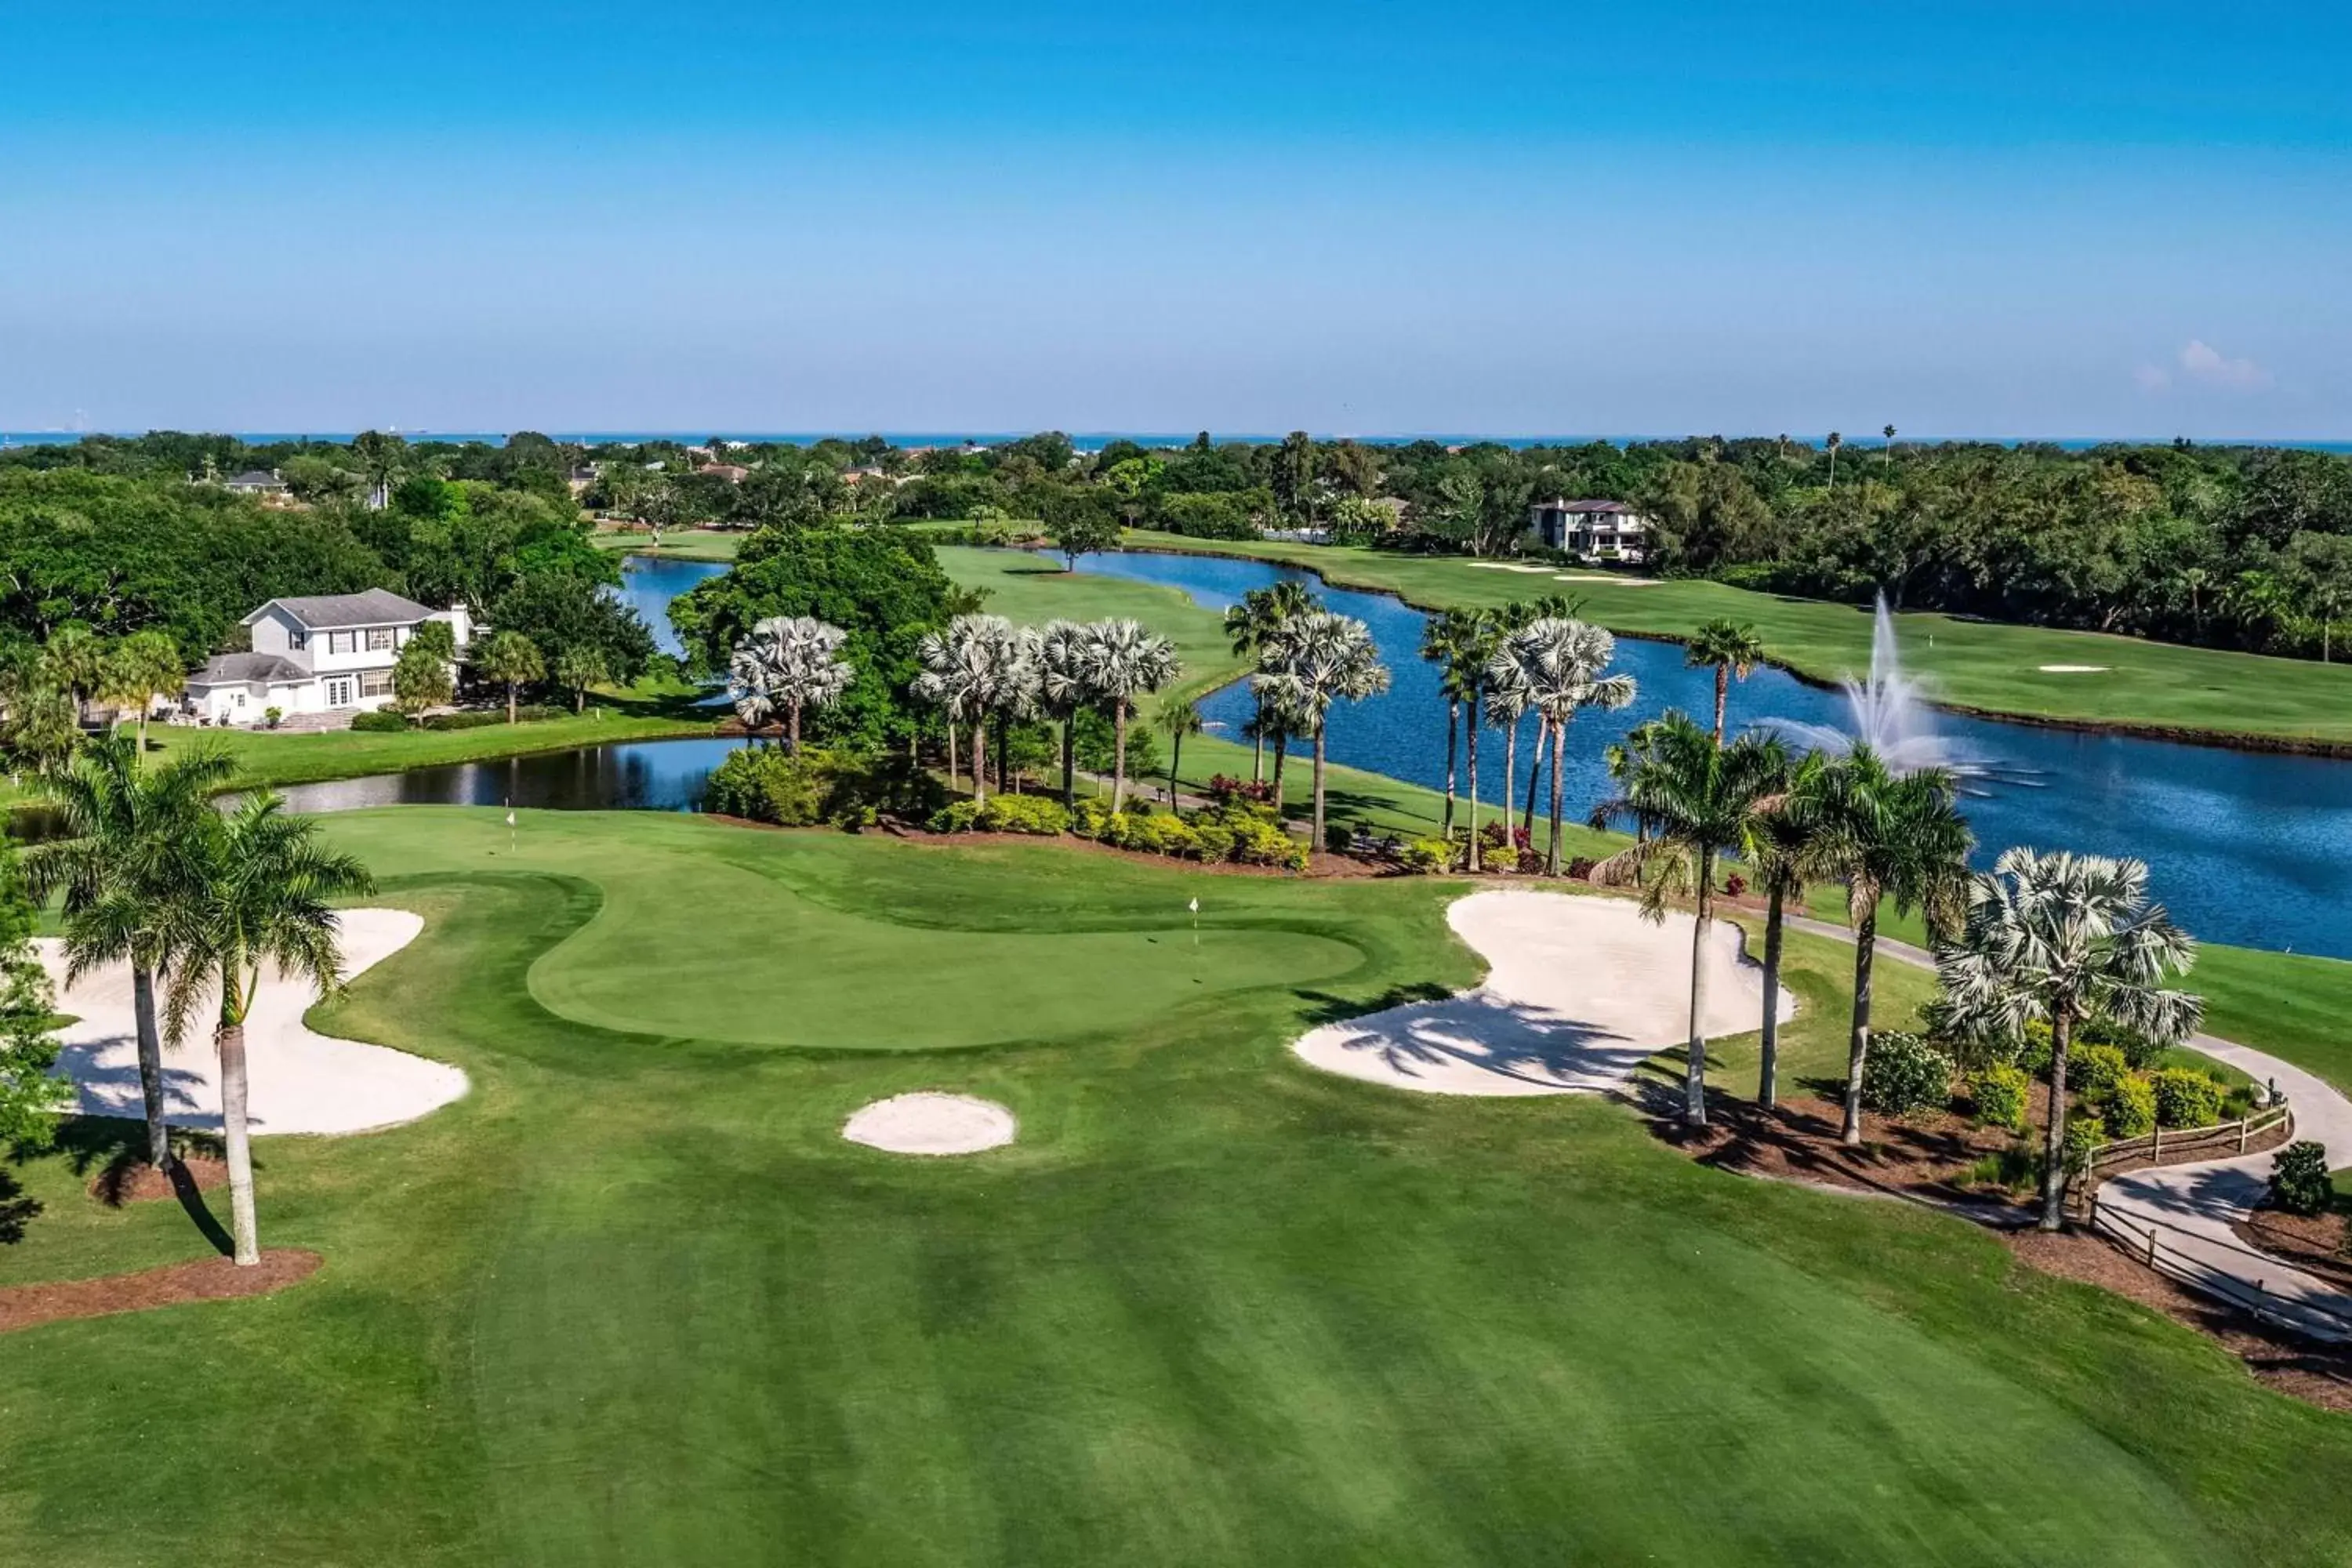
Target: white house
x=330, y=653
x=1595, y=530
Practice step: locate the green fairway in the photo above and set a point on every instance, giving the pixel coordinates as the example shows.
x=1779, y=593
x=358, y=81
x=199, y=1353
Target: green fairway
x=1031, y=588
x=1988, y=666
x=677, y=544
x=632, y=1300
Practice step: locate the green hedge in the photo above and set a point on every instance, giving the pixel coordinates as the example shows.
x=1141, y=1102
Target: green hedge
x=2001, y=1092
x=1903, y=1074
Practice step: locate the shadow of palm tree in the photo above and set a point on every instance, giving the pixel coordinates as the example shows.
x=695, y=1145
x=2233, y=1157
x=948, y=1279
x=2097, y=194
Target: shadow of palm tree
x=17, y=1209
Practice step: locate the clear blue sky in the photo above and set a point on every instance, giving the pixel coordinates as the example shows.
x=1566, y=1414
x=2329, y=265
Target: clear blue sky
x=1373, y=217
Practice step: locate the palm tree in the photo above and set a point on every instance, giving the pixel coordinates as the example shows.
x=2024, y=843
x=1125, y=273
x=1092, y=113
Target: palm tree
x=967, y=670
x=1250, y=625
x=1701, y=799
x=1835, y=441
x=788, y=664
x=1732, y=648
x=75, y=660
x=253, y=890
x=146, y=665
x=578, y=667
x=1320, y=659
x=379, y=456
x=1886, y=836
x=1123, y=662
x=116, y=858
x=509, y=659
x=1561, y=663
x=1888, y=461
x=1507, y=704
x=1777, y=852
x=1058, y=653
x=2061, y=938
x=1177, y=719
x=1446, y=641
x=2193, y=578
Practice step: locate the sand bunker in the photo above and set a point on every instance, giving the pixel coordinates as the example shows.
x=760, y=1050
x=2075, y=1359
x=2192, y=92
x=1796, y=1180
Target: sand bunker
x=1580, y=992
x=1507, y=566
x=929, y=1123
x=298, y=1081
x=1608, y=577
x=2072, y=668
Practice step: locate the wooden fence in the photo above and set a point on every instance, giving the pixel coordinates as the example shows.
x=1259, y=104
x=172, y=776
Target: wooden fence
x=2150, y=1244
x=2183, y=1143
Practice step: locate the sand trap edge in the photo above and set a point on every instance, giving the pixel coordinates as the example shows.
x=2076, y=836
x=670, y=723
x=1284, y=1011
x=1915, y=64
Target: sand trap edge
x=930, y=1123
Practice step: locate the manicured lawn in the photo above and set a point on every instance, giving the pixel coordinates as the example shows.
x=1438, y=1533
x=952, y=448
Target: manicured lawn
x=1984, y=665
x=281, y=757
x=676, y=544
x=1031, y=588
x=632, y=1300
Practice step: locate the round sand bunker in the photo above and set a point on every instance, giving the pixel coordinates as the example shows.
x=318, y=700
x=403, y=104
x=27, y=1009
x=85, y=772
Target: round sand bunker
x=929, y=1123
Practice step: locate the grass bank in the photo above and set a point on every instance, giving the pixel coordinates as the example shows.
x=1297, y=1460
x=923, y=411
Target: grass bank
x=1987, y=667
x=634, y=1300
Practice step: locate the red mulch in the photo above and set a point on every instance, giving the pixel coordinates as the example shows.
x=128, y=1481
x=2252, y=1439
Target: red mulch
x=2315, y=1373
x=2314, y=1242
x=1920, y=1156
x=139, y=1181
x=205, y=1279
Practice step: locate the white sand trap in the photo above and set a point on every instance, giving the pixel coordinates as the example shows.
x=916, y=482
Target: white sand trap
x=1581, y=990
x=1507, y=566
x=1608, y=577
x=930, y=1123
x=298, y=1081
x=2072, y=668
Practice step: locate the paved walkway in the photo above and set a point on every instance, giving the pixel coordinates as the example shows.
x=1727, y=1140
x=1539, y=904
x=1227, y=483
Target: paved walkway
x=2194, y=1206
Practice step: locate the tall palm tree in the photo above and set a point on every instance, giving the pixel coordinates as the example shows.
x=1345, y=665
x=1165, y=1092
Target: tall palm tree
x=788, y=664
x=116, y=860
x=1447, y=640
x=968, y=670
x=1887, y=461
x=1506, y=703
x=1123, y=662
x=2060, y=938
x=146, y=665
x=1777, y=852
x=1320, y=659
x=1249, y=626
x=1482, y=641
x=1701, y=798
x=253, y=893
x=1731, y=648
x=2194, y=578
x=509, y=659
x=1177, y=718
x=1887, y=837
x=1058, y=654
x=1835, y=441
x=1561, y=664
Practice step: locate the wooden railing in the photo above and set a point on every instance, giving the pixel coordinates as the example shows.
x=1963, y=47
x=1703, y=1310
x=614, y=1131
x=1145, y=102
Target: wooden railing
x=2185, y=1142
x=2150, y=1244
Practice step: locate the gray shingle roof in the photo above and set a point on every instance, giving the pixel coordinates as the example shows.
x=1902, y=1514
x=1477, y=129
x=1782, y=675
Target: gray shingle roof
x=375, y=608
x=228, y=668
x=256, y=480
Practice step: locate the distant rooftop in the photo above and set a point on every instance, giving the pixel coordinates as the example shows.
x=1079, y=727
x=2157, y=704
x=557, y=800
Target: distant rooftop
x=374, y=607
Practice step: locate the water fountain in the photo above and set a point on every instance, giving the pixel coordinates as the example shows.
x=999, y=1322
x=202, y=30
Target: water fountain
x=1887, y=712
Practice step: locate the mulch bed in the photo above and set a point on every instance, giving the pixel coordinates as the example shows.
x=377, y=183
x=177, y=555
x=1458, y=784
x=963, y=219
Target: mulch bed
x=205, y=1279
x=2316, y=1374
x=2314, y=1243
x=137, y=1181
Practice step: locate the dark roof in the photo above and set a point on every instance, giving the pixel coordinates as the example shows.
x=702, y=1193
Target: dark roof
x=375, y=608
x=1608, y=506
x=224, y=669
x=256, y=480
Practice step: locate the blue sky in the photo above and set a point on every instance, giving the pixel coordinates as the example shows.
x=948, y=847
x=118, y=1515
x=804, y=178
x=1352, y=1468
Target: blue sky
x=1378, y=217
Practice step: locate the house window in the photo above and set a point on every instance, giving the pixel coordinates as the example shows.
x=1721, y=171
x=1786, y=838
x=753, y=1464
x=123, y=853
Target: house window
x=340, y=642
x=376, y=683
x=379, y=638
x=297, y=639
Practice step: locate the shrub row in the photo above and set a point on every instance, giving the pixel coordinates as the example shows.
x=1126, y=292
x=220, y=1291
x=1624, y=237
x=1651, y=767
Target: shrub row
x=1241, y=833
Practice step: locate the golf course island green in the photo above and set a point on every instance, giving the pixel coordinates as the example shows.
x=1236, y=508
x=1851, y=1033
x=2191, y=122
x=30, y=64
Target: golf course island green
x=635, y=1299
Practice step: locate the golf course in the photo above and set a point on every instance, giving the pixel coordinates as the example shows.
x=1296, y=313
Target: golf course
x=634, y=1297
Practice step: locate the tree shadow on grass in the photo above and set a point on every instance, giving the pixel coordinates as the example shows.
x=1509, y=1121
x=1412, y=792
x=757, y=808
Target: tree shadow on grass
x=116, y=1151
x=17, y=1208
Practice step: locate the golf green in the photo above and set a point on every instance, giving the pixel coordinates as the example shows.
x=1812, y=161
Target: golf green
x=634, y=1300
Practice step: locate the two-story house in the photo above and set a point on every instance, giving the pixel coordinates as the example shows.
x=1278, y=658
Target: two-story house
x=329, y=654
x=1594, y=529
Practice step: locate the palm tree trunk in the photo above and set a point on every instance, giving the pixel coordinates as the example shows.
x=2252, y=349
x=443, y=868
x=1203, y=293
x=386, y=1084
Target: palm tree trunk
x=141, y=753
x=510, y=701
x=230, y=1041
x=1118, y=757
x=979, y=759
x=2053, y=1140
x=1535, y=777
x=1695, y=1066
x=1069, y=764
x=150, y=1064
x=1470, y=759
x=1510, y=777
x=1281, y=749
x=951, y=755
x=1452, y=740
x=1315, y=843
x=1175, y=760
x=1768, y=1074
x=1003, y=754
x=1551, y=852
x=1257, y=746
x=1722, y=696
x=792, y=724
x=1865, y=949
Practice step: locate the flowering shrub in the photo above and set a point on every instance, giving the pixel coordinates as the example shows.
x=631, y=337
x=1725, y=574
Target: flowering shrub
x=1904, y=1073
x=1225, y=789
x=2000, y=1092
x=1425, y=857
